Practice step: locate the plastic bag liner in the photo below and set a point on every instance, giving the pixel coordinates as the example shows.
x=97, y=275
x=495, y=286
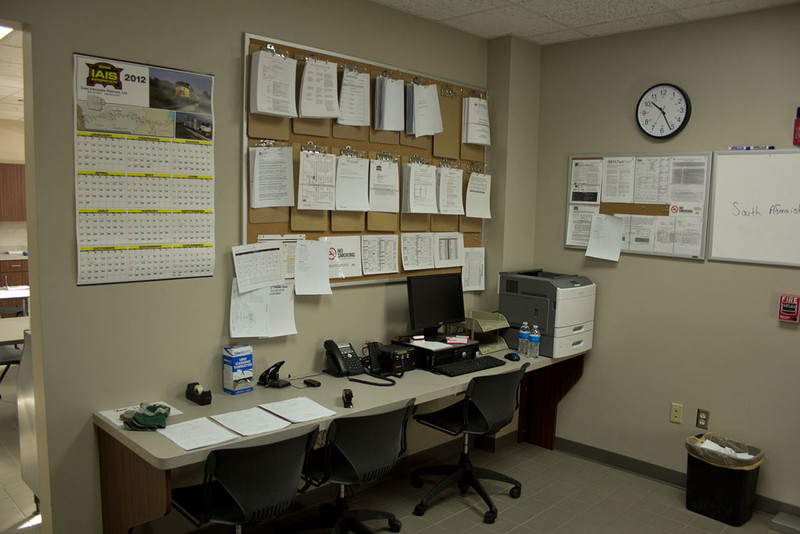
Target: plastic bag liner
x=720, y=459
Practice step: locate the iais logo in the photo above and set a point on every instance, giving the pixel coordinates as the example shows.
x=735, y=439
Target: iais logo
x=104, y=74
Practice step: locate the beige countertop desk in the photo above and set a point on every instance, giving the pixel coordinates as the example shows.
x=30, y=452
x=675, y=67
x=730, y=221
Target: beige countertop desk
x=135, y=466
x=12, y=328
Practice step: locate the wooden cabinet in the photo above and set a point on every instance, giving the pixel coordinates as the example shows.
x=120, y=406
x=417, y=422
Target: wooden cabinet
x=12, y=192
x=13, y=273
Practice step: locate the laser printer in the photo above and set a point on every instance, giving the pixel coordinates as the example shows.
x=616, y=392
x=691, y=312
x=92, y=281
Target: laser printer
x=562, y=305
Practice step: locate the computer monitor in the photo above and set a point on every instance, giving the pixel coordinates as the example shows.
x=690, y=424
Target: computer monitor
x=435, y=300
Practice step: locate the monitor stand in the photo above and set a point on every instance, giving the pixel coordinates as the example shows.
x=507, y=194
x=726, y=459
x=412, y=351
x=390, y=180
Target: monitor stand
x=433, y=334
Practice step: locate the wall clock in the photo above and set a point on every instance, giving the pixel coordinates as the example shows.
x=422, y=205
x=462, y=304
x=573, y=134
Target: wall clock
x=663, y=110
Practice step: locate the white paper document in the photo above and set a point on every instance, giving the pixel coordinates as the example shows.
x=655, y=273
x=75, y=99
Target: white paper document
x=475, y=122
x=280, y=310
x=389, y=104
x=384, y=186
x=618, y=179
x=579, y=224
x=197, y=433
x=448, y=249
x=251, y=421
x=473, y=273
x=651, y=182
x=585, y=180
x=271, y=177
x=379, y=254
x=288, y=246
x=319, y=91
x=272, y=84
x=354, y=99
x=688, y=181
x=479, y=191
x=248, y=315
x=419, y=188
x=352, y=184
x=257, y=265
x=417, y=251
x=344, y=256
x=423, y=116
x=298, y=410
x=449, y=190
x=311, y=269
x=605, y=240
x=316, y=188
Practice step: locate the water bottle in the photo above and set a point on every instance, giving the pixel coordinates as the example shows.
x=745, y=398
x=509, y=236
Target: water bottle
x=536, y=338
x=524, y=339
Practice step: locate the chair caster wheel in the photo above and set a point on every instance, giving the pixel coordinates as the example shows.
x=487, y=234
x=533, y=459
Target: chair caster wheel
x=420, y=509
x=395, y=525
x=416, y=481
x=515, y=492
x=489, y=517
x=463, y=488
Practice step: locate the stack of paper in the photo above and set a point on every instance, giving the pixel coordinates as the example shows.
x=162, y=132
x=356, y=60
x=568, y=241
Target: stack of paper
x=354, y=99
x=475, y=122
x=272, y=84
x=449, y=190
x=319, y=90
x=298, y=410
x=388, y=104
x=419, y=188
x=423, y=116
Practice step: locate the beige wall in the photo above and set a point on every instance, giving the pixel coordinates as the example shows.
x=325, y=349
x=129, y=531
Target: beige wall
x=108, y=346
x=12, y=141
x=703, y=334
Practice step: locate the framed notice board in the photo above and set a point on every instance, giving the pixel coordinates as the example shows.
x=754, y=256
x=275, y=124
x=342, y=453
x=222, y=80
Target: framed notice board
x=327, y=136
x=755, y=207
x=663, y=199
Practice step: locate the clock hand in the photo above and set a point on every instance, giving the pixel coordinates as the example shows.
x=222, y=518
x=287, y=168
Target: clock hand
x=663, y=113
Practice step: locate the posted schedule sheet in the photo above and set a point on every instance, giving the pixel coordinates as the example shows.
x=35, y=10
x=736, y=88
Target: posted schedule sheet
x=144, y=172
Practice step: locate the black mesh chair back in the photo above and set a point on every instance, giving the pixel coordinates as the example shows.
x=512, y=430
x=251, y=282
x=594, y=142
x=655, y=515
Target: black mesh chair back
x=362, y=449
x=248, y=485
x=491, y=402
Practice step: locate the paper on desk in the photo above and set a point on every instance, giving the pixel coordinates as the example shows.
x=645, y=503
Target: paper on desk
x=197, y=433
x=605, y=239
x=115, y=414
x=298, y=410
x=430, y=345
x=251, y=421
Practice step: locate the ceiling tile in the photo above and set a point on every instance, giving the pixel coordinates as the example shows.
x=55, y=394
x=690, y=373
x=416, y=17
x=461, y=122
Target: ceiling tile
x=577, y=13
x=730, y=7
x=509, y=20
x=442, y=9
x=632, y=24
x=556, y=37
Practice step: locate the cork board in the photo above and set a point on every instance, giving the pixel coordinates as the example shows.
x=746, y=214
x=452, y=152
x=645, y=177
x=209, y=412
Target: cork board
x=331, y=137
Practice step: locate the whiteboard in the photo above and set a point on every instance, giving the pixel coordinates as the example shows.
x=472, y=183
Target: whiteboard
x=755, y=207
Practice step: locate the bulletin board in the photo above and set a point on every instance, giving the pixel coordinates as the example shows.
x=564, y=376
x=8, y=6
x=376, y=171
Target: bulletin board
x=663, y=199
x=755, y=207
x=327, y=135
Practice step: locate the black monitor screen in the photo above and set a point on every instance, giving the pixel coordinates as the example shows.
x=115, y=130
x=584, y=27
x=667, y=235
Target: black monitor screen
x=434, y=300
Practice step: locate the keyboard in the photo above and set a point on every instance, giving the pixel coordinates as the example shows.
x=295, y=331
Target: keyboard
x=463, y=367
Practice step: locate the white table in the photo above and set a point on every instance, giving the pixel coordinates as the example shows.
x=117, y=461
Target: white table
x=17, y=293
x=12, y=328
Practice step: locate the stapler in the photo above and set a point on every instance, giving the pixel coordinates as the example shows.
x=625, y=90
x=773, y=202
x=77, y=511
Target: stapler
x=271, y=379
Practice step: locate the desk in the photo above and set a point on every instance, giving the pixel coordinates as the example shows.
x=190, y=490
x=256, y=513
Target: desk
x=135, y=466
x=17, y=293
x=12, y=328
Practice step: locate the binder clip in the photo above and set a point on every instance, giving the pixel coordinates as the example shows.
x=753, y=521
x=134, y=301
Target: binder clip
x=196, y=394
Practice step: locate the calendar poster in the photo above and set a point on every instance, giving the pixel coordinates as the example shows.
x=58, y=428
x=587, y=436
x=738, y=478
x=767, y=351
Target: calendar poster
x=144, y=172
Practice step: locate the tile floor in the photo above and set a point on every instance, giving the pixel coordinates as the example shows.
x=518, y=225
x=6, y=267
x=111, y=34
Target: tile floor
x=561, y=494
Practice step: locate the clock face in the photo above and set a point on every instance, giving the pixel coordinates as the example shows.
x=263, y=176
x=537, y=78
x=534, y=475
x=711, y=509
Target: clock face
x=663, y=110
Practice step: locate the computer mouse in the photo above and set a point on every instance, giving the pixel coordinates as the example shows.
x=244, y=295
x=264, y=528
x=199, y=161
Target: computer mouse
x=512, y=356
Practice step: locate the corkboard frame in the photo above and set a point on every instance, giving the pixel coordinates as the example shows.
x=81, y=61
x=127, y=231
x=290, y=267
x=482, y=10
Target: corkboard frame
x=325, y=133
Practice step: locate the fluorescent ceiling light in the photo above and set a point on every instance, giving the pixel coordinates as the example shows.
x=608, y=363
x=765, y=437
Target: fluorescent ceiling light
x=5, y=30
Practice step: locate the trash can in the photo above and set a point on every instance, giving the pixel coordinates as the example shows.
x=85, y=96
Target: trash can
x=721, y=478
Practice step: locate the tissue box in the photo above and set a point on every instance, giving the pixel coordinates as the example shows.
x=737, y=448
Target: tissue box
x=237, y=369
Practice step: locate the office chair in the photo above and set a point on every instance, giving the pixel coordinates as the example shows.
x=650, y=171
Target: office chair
x=358, y=450
x=488, y=406
x=9, y=355
x=246, y=486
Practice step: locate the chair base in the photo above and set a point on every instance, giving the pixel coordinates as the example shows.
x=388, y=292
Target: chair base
x=340, y=519
x=466, y=476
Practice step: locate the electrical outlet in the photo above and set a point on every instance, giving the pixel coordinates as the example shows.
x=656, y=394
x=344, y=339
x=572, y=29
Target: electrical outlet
x=702, y=418
x=675, y=413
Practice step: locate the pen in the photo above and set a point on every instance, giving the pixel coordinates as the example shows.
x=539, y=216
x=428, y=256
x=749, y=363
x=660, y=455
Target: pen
x=755, y=147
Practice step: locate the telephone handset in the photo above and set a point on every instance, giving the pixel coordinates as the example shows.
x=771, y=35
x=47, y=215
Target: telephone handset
x=343, y=359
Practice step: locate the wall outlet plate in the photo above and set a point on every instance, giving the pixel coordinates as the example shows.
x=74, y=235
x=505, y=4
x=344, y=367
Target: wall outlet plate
x=675, y=413
x=703, y=417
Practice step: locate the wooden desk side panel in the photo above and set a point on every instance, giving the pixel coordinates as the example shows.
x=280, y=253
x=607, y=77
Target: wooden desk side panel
x=540, y=394
x=133, y=491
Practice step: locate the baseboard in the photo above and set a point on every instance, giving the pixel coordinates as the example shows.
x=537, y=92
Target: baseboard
x=662, y=474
